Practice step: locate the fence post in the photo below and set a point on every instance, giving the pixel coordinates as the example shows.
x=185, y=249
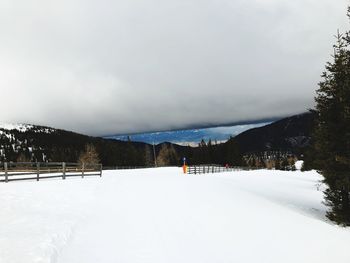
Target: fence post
x=101, y=170
x=195, y=169
x=63, y=171
x=37, y=171
x=6, y=172
x=82, y=170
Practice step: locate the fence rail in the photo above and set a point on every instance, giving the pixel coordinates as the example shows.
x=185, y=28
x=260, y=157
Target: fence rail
x=212, y=168
x=36, y=171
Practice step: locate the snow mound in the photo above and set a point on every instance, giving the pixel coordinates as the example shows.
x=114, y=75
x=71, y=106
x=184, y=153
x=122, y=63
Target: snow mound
x=299, y=164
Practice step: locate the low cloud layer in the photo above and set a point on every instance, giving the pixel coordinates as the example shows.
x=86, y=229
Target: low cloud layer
x=107, y=67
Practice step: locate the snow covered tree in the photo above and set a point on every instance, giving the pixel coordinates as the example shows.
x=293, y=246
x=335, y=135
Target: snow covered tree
x=332, y=134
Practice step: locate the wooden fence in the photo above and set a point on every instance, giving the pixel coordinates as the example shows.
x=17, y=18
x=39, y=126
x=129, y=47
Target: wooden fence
x=192, y=169
x=212, y=168
x=37, y=171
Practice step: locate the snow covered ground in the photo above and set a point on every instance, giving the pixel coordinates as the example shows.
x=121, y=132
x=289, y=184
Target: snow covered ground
x=161, y=215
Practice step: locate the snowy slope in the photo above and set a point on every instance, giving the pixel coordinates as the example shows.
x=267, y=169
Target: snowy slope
x=160, y=215
x=25, y=128
x=19, y=127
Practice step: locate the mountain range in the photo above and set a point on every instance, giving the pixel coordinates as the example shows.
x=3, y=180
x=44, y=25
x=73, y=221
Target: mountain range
x=39, y=143
x=289, y=134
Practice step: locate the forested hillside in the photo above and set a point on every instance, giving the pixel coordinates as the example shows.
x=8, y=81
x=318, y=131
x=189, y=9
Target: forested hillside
x=38, y=143
x=290, y=134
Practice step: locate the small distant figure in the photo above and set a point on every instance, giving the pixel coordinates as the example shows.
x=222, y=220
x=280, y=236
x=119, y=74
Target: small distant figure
x=227, y=166
x=184, y=167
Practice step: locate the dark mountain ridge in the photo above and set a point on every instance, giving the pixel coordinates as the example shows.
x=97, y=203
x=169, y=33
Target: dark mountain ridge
x=39, y=143
x=289, y=134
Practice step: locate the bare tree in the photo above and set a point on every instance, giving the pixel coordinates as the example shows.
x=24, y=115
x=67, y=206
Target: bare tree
x=22, y=158
x=89, y=155
x=167, y=156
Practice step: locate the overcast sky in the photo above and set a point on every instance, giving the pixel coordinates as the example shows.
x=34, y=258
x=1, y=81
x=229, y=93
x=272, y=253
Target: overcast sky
x=104, y=67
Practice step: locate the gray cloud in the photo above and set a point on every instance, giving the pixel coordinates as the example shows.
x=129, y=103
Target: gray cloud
x=105, y=67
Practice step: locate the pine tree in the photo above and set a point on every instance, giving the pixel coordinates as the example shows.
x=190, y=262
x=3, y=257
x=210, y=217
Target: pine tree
x=278, y=161
x=285, y=164
x=203, y=154
x=210, y=152
x=131, y=157
x=292, y=165
x=148, y=157
x=233, y=155
x=332, y=134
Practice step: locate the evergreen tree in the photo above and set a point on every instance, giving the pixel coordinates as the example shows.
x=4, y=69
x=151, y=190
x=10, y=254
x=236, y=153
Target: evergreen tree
x=332, y=134
x=278, y=162
x=149, y=160
x=130, y=154
x=309, y=157
x=285, y=164
x=203, y=152
x=210, y=152
x=233, y=156
x=292, y=165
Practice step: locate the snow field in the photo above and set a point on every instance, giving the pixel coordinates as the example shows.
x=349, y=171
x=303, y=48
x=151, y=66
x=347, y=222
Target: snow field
x=161, y=215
